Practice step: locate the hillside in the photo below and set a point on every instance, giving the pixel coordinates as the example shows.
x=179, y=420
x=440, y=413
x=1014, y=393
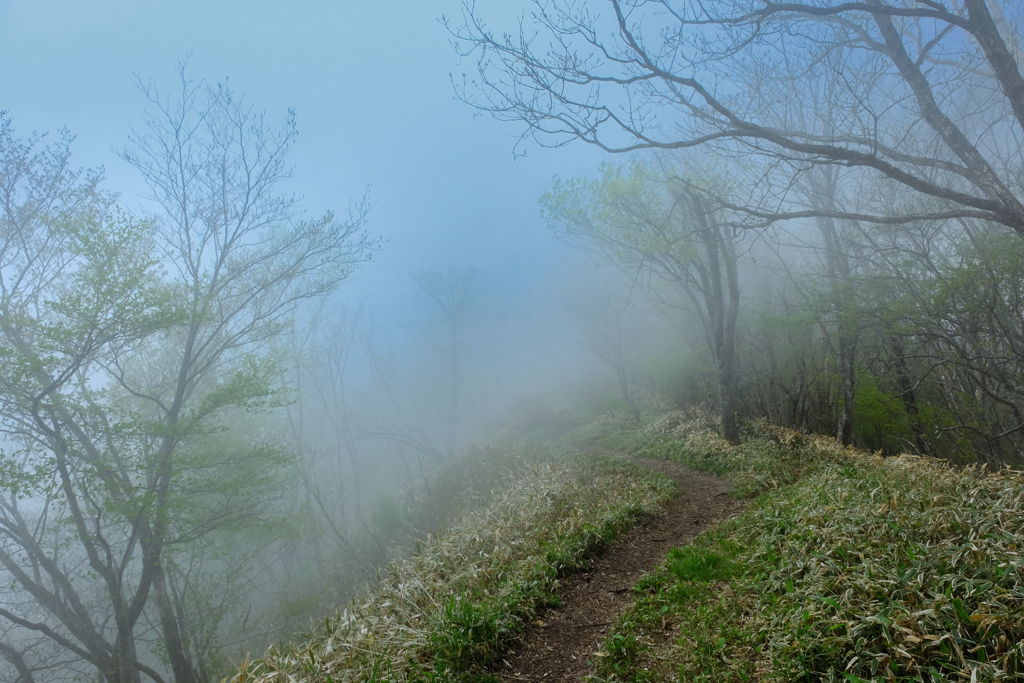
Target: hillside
x=844, y=566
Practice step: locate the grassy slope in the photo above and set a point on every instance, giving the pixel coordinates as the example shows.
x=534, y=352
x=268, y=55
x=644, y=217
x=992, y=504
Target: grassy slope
x=518, y=510
x=846, y=567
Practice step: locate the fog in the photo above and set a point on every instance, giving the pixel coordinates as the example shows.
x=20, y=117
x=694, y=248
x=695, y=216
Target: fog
x=266, y=270
x=364, y=379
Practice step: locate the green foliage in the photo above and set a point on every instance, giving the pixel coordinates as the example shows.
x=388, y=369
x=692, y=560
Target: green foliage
x=133, y=367
x=386, y=517
x=956, y=314
x=880, y=419
x=688, y=380
x=628, y=211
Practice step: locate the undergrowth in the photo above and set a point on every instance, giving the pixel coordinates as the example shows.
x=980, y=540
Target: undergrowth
x=445, y=612
x=846, y=567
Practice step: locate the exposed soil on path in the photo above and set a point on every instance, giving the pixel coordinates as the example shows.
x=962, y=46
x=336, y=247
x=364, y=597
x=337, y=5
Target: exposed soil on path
x=562, y=640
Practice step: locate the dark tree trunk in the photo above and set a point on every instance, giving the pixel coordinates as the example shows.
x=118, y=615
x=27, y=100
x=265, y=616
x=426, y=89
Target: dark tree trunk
x=723, y=304
x=848, y=385
x=909, y=398
x=176, y=649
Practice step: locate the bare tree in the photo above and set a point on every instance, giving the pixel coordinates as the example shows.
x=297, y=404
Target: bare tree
x=324, y=426
x=453, y=300
x=931, y=93
x=611, y=323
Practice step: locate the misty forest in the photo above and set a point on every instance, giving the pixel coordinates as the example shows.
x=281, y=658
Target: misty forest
x=780, y=301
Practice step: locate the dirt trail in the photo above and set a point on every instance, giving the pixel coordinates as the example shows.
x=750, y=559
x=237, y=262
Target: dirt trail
x=557, y=647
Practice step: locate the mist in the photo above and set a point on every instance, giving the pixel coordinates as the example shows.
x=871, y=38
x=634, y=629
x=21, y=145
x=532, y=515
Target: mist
x=269, y=277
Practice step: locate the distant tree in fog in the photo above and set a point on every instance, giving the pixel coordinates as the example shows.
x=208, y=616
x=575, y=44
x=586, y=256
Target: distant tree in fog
x=883, y=143
x=325, y=427
x=129, y=348
x=453, y=301
x=610, y=317
x=658, y=224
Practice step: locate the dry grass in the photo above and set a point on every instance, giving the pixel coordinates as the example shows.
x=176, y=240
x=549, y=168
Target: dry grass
x=902, y=568
x=769, y=458
x=452, y=606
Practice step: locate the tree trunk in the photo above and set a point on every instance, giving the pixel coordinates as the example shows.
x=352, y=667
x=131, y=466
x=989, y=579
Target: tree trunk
x=18, y=662
x=823, y=188
x=624, y=387
x=730, y=404
x=909, y=398
x=728, y=377
x=723, y=303
x=848, y=385
x=176, y=650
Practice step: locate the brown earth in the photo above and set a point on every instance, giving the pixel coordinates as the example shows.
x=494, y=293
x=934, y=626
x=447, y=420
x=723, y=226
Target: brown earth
x=558, y=646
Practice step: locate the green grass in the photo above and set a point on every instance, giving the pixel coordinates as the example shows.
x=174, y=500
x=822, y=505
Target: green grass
x=686, y=617
x=691, y=564
x=845, y=567
x=903, y=568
